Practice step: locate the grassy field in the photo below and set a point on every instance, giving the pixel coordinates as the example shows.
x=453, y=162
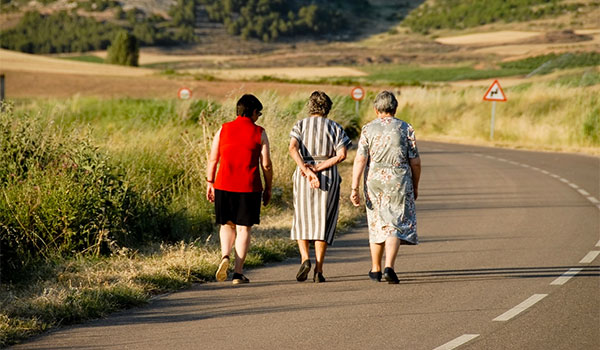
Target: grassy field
x=142, y=172
x=156, y=149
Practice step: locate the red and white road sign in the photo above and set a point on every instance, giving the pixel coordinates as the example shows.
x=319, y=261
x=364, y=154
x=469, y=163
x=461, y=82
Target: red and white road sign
x=495, y=93
x=184, y=93
x=357, y=93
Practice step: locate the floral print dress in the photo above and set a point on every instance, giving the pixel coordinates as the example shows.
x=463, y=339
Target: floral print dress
x=388, y=144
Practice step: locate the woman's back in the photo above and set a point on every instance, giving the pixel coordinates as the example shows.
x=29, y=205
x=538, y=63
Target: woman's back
x=319, y=137
x=389, y=141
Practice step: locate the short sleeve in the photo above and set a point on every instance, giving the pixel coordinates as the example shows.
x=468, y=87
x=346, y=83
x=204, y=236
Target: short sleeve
x=363, y=144
x=296, y=131
x=413, y=151
x=342, y=138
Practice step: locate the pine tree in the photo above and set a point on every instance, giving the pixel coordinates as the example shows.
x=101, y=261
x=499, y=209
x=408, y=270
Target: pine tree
x=125, y=50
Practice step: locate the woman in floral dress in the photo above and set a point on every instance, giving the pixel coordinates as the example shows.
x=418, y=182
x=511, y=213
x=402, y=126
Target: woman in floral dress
x=387, y=154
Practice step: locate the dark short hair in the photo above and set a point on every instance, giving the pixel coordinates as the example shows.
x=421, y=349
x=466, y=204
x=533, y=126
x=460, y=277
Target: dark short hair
x=319, y=103
x=247, y=104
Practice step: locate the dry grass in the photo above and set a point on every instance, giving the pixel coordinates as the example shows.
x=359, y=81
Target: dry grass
x=542, y=116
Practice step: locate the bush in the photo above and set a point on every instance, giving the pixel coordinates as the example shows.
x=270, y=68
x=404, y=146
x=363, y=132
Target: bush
x=125, y=50
x=61, y=196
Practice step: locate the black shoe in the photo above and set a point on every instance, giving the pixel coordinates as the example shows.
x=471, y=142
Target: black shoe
x=239, y=278
x=221, y=274
x=318, y=277
x=390, y=276
x=302, y=274
x=375, y=276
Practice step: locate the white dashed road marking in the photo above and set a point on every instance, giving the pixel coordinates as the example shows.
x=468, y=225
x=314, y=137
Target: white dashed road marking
x=565, y=277
x=520, y=308
x=453, y=344
x=583, y=192
x=589, y=257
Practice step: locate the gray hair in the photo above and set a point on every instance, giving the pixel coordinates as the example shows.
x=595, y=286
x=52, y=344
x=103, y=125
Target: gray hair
x=386, y=102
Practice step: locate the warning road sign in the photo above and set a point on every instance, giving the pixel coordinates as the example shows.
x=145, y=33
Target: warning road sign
x=495, y=93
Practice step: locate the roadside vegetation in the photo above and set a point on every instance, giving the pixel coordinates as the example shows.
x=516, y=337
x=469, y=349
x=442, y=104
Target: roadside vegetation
x=102, y=203
x=560, y=114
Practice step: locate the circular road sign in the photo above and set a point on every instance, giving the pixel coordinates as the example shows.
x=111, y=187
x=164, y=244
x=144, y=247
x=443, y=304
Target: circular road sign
x=358, y=93
x=184, y=93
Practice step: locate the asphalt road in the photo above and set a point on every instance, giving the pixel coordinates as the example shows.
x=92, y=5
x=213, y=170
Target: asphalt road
x=506, y=261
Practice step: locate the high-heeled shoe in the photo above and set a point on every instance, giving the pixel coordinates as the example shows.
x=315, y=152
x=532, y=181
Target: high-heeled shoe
x=375, y=276
x=390, y=276
x=318, y=277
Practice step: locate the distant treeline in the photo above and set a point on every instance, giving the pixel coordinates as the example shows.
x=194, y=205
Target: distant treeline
x=270, y=19
x=459, y=14
x=69, y=32
x=267, y=20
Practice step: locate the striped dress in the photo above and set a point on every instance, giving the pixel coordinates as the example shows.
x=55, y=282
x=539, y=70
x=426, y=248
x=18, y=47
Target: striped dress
x=316, y=210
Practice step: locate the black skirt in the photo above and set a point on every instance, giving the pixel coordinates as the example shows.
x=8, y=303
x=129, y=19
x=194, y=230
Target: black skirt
x=240, y=208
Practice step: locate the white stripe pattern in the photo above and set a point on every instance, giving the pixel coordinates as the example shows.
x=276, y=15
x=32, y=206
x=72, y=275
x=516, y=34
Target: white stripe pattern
x=316, y=210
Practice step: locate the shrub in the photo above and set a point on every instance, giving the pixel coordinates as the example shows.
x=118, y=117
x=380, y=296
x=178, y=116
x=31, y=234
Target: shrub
x=60, y=196
x=125, y=50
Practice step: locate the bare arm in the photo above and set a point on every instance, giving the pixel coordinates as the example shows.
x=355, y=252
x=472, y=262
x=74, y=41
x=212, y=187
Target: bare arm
x=213, y=160
x=360, y=162
x=415, y=166
x=339, y=157
x=295, y=154
x=267, y=167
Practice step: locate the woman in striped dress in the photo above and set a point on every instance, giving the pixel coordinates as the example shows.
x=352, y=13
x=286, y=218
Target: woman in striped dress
x=317, y=144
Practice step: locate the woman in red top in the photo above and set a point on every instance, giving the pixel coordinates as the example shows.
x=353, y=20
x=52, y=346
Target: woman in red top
x=240, y=148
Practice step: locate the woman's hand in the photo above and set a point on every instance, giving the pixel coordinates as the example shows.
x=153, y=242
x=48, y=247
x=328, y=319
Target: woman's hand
x=210, y=192
x=313, y=179
x=355, y=197
x=266, y=196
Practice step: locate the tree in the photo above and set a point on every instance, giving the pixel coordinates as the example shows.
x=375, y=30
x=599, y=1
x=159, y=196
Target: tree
x=125, y=50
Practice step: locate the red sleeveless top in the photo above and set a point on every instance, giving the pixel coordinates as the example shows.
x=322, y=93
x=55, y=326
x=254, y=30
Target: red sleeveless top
x=239, y=155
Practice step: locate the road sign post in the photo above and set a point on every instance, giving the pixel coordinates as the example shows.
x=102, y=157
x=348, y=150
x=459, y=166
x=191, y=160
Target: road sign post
x=357, y=94
x=1, y=88
x=494, y=94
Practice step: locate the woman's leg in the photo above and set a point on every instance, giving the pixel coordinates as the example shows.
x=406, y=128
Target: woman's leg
x=303, y=246
x=392, y=245
x=376, y=255
x=320, y=249
x=242, y=242
x=227, y=237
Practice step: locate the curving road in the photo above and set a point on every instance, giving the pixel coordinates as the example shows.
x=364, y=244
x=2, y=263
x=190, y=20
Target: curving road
x=508, y=260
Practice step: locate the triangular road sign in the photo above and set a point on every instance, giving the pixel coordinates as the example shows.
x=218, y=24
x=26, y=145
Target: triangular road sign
x=495, y=93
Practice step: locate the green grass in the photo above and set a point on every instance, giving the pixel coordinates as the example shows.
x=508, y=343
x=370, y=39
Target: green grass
x=408, y=75
x=102, y=202
x=545, y=64
x=155, y=151
x=85, y=58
